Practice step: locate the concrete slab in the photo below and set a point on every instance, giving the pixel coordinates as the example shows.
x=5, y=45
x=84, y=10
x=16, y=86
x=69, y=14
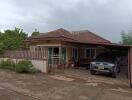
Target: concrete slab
x=16, y=96
x=14, y=86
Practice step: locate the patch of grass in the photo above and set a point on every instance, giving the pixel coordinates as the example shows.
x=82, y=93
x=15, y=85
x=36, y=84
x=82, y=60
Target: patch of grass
x=7, y=64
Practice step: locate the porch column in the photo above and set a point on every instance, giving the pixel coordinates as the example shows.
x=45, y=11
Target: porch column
x=60, y=53
x=128, y=71
x=42, y=52
x=130, y=65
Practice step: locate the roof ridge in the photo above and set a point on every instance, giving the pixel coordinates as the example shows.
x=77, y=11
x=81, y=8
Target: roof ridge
x=81, y=31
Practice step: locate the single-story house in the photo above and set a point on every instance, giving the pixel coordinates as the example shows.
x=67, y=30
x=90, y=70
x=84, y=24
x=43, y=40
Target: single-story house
x=68, y=45
x=80, y=46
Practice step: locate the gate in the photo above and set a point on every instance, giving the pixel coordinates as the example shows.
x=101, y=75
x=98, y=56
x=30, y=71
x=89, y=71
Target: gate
x=56, y=64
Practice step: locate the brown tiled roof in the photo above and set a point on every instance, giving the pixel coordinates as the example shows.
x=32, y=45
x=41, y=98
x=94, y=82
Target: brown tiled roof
x=76, y=36
x=60, y=34
x=88, y=37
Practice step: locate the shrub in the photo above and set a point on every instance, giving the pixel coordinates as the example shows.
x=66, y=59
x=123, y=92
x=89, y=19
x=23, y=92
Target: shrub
x=24, y=66
x=2, y=47
x=8, y=64
x=33, y=70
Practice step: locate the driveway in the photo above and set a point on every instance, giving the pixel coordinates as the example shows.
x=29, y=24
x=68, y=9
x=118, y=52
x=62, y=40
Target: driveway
x=62, y=86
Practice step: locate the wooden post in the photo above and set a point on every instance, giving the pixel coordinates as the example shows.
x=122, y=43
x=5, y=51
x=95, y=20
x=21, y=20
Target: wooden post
x=130, y=66
x=128, y=74
x=60, y=53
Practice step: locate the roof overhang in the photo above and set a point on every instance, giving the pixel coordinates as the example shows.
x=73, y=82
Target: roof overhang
x=104, y=44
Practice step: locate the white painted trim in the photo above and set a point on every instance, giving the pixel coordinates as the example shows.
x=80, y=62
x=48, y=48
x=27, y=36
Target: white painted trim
x=57, y=45
x=50, y=45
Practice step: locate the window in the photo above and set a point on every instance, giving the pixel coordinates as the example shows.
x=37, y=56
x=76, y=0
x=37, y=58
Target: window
x=90, y=53
x=53, y=51
x=75, y=53
x=56, y=51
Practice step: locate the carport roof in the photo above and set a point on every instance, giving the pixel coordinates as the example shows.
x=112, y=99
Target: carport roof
x=110, y=45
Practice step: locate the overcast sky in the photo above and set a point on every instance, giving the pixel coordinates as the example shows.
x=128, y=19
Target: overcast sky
x=104, y=17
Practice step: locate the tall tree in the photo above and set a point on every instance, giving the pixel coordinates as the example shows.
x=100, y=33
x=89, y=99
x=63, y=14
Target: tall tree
x=2, y=46
x=12, y=39
x=126, y=37
x=35, y=33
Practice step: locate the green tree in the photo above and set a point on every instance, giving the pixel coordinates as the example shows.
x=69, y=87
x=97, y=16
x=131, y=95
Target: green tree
x=2, y=48
x=126, y=37
x=12, y=39
x=35, y=33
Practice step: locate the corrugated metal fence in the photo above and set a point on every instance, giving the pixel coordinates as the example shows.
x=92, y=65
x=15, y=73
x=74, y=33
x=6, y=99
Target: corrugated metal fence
x=26, y=54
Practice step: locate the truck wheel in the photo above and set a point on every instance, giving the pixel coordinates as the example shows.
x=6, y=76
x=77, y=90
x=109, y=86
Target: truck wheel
x=113, y=75
x=92, y=72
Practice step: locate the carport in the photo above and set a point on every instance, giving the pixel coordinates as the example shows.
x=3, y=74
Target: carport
x=122, y=48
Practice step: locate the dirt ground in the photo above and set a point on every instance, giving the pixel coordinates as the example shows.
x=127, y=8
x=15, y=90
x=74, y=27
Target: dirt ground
x=70, y=85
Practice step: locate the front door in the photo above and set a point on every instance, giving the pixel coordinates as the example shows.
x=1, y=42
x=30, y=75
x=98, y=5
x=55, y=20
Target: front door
x=52, y=52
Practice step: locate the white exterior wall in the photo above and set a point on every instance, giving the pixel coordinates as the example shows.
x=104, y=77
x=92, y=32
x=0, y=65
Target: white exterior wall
x=40, y=65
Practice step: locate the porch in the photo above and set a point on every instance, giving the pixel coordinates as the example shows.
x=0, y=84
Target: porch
x=69, y=55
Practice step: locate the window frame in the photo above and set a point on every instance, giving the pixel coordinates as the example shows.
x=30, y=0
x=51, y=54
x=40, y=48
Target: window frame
x=90, y=53
x=73, y=52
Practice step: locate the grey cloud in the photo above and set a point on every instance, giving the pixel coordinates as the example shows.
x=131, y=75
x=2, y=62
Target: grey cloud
x=104, y=17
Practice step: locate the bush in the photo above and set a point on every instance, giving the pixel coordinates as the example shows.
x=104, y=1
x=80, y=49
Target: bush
x=8, y=64
x=24, y=66
x=2, y=48
x=33, y=70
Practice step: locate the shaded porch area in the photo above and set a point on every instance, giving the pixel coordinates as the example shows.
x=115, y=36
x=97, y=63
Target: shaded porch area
x=66, y=56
